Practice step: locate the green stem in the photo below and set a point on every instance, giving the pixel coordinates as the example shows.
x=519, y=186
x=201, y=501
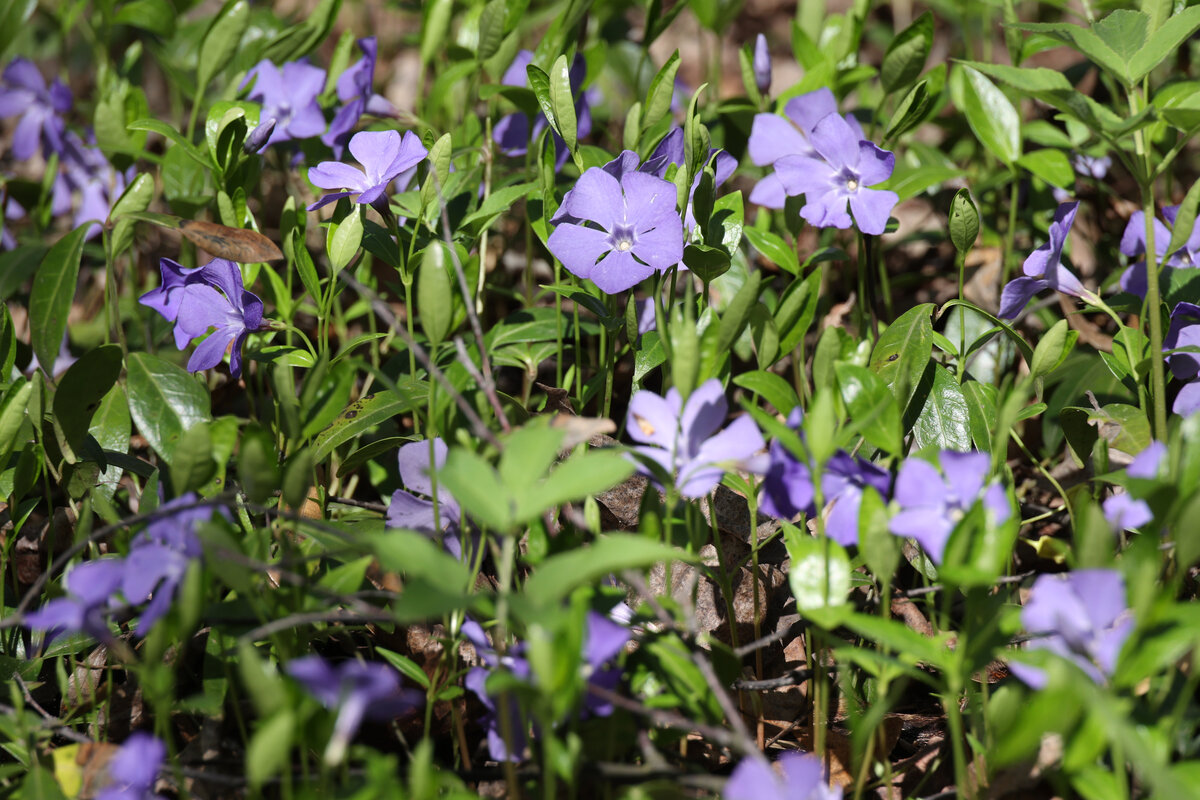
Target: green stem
x=1158, y=382
x=1010, y=235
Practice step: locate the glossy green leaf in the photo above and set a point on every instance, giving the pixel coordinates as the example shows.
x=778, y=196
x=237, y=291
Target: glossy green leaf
x=903, y=350
x=1051, y=166
x=911, y=112
x=8, y=344
x=476, y=486
x=365, y=413
x=770, y=387
x=136, y=197
x=12, y=416
x=165, y=130
x=111, y=426
x=981, y=412
x=156, y=16
x=944, y=421
x=662, y=90
x=774, y=249
x=434, y=300
x=221, y=41
x=1165, y=41
x=990, y=114
x=53, y=291
x=580, y=476
x=81, y=390
x=563, y=101
x=164, y=401
x=871, y=407
x=906, y=54
x=193, y=464
x=964, y=221
x=819, y=577
x=1185, y=219
x=609, y=554
x=345, y=239
x=1053, y=348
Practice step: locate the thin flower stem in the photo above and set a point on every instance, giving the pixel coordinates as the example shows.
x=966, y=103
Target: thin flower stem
x=1010, y=234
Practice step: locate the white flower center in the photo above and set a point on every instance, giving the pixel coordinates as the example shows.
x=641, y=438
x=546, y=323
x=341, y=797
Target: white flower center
x=852, y=185
x=624, y=244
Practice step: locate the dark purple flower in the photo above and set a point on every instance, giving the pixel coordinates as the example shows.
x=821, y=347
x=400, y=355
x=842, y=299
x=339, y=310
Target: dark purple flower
x=638, y=229
x=838, y=175
x=288, y=96
x=803, y=778
x=91, y=587
x=354, y=88
x=773, y=137
x=1185, y=332
x=23, y=91
x=1044, y=268
x=134, y=768
x=788, y=487
x=357, y=691
x=762, y=64
x=1126, y=513
x=512, y=132
x=199, y=298
x=931, y=505
x=416, y=513
x=383, y=154
x=684, y=441
x=1133, y=244
x=1084, y=618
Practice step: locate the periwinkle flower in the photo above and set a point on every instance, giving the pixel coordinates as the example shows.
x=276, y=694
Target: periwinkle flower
x=684, y=439
x=416, y=513
x=91, y=589
x=1044, y=268
x=773, y=137
x=288, y=96
x=932, y=503
x=638, y=231
x=803, y=778
x=87, y=171
x=1082, y=617
x=762, y=64
x=1147, y=463
x=1123, y=512
x=788, y=487
x=1133, y=244
x=354, y=88
x=23, y=91
x=604, y=638
x=384, y=156
x=1184, y=331
x=513, y=133
x=671, y=151
x=199, y=298
x=1091, y=166
x=133, y=769
x=357, y=691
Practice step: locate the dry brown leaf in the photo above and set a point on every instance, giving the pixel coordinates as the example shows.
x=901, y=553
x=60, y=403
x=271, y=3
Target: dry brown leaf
x=235, y=244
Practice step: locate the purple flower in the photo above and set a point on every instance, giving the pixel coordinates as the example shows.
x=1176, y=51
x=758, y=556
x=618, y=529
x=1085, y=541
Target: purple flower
x=639, y=231
x=1044, y=268
x=670, y=151
x=23, y=91
x=476, y=682
x=1185, y=332
x=1091, y=166
x=1084, y=619
x=199, y=298
x=289, y=97
x=604, y=639
x=1133, y=244
x=931, y=505
x=90, y=590
x=357, y=690
x=87, y=171
x=12, y=211
x=383, y=154
x=762, y=64
x=773, y=137
x=134, y=768
x=1125, y=513
x=683, y=439
x=354, y=88
x=415, y=513
x=788, y=487
x=1147, y=463
x=512, y=133
x=803, y=779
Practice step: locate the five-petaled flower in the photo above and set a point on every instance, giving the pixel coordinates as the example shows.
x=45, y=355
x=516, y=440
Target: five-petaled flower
x=1044, y=268
x=199, y=298
x=131, y=772
x=384, y=156
x=1133, y=244
x=354, y=88
x=289, y=98
x=931, y=505
x=91, y=587
x=23, y=91
x=803, y=778
x=1082, y=617
x=683, y=439
x=638, y=229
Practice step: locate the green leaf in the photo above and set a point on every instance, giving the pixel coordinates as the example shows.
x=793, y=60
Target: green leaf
x=498, y=202
x=944, y=421
x=415, y=555
x=491, y=30
x=12, y=416
x=964, y=221
x=903, y=350
x=871, y=407
x=908, y=645
x=221, y=41
x=911, y=112
x=708, y=263
x=770, y=387
x=136, y=197
x=819, y=577
x=539, y=82
x=582, y=475
x=365, y=413
x=82, y=389
x=165, y=130
x=193, y=465
x=53, y=291
x=1165, y=41
x=1052, y=350
x=120, y=105
x=156, y=16
x=434, y=301
x=905, y=56
x=990, y=114
x=559, y=574
x=773, y=248
x=344, y=239
x=478, y=489
x=111, y=426
x=563, y=101
x=1051, y=166
x=737, y=313
x=1124, y=31
x=1185, y=219
x=662, y=89
x=434, y=28
x=12, y=20
x=164, y=401
x=269, y=747
x=981, y=410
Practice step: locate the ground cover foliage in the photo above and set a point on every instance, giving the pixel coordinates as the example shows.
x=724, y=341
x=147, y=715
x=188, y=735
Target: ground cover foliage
x=575, y=399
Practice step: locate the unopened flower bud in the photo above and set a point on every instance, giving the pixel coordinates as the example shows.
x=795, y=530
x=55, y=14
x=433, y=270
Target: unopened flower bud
x=258, y=137
x=762, y=64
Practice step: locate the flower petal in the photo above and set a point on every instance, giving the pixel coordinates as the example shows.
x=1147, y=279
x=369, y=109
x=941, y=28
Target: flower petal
x=578, y=247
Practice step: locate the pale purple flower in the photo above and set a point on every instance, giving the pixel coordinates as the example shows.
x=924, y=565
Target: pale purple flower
x=1185, y=332
x=1044, y=268
x=357, y=691
x=604, y=639
x=1133, y=244
x=762, y=64
x=354, y=88
x=384, y=156
x=417, y=513
x=1147, y=463
x=803, y=778
x=512, y=132
x=91, y=587
x=670, y=151
x=1082, y=617
x=12, y=211
x=288, y=96
x=199, y=298
x=931, y=505
x=788, y=487
x=87, y=171
x=773, y=137
x=476, y=681
x=1126, y=513
x=683, y=439
x=133, y=769
x=1091, y=166
x=23, y=92
x=638, y=229
x=647, y=320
